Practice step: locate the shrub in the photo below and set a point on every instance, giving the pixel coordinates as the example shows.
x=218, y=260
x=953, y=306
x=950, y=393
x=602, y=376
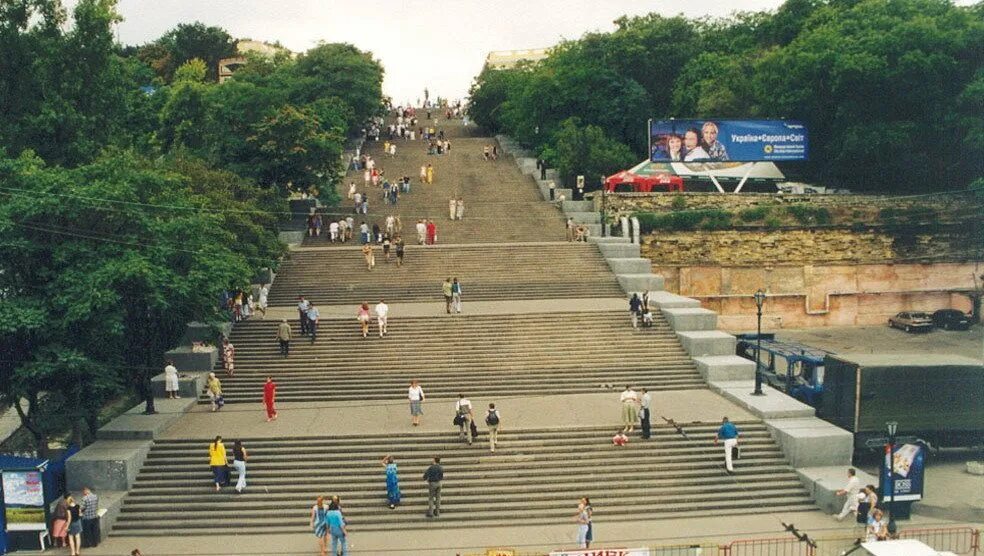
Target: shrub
x=679, y=202
x=716, y=220
x=806, y=215
x=773, y=223
x=754, y=214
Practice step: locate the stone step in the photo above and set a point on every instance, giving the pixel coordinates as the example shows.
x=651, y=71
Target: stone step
x=619, y=250
x=636, y=265
x=529, y=475
x=569, y=207
x=640, y=282
x=584, y=217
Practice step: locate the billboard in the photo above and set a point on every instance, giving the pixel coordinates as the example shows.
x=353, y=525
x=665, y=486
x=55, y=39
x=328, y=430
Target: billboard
x=906, y=475
x=23, y=496
x=727, y=140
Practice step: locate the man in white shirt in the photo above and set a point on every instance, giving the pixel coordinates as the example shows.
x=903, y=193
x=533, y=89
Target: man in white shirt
x=302, y=308
x=333, y=231
x=647, y=400
x=313, y=316
x=630, y=411
x=421, y=232
x=851, y=489
x=464, y=415
x=382, y=312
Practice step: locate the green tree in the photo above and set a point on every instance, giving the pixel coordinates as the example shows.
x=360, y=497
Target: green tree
x=186, y=42
x=586, y=150
x=104, y=264
x=192, y=71
x=342, y=71
x=62, y=91
x=292, y=148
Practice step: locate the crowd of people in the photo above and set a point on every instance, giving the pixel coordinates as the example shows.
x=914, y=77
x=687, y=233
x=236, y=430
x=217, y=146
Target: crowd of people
x=75, y=523
x=327, y=520
x=861, y=502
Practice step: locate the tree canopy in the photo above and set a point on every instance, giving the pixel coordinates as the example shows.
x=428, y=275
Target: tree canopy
x=135, y=190
x=891, y=90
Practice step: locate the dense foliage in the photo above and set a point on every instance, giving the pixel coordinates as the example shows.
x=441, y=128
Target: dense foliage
x=892, y=90
x=134, y=190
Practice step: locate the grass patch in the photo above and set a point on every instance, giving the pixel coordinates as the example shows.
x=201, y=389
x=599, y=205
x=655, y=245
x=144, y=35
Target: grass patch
x=754, y=214
x=808, y=215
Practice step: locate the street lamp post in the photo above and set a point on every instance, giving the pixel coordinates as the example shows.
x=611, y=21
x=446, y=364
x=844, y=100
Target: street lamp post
x=604, y=207
x=893, y=428
x=759, y=301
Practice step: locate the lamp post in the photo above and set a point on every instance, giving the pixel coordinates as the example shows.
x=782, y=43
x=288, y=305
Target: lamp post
x=759, y=301
x=604, y=207
x=893, y=428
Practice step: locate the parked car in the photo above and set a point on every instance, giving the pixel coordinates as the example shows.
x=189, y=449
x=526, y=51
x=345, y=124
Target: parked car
x=951, y=319
x=912, y=321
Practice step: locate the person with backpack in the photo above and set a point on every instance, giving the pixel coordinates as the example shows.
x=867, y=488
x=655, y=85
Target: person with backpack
x=492, y=419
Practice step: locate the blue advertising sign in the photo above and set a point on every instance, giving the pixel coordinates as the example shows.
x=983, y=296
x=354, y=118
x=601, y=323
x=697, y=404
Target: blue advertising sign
x=727, y=140
x=905, y=477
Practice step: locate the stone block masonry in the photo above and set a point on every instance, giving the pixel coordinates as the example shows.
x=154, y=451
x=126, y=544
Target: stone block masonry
x=803, y=296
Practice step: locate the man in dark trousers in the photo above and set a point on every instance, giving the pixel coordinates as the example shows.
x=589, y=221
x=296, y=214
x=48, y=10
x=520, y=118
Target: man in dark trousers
x=302, y=309
x=434, y=475
x=91, y=535
x=644, y=404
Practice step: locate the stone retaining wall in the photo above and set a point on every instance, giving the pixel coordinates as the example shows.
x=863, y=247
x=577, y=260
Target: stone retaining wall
x=785, y=246
x=664, y=202
x=805, y=295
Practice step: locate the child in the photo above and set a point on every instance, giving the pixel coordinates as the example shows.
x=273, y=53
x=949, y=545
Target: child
x=620, y=439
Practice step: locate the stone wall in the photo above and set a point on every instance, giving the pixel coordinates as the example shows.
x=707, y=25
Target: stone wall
x=784, y=246
x=804, y=295
x=623, y=203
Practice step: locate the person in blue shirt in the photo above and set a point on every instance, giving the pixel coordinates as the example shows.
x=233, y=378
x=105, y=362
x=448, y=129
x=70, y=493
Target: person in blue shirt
x=728, y=433
x=336, y=528
x=313, y=316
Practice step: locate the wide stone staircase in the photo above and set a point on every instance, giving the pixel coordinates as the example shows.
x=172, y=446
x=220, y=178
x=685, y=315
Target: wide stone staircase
x=532, y=478
x=501, y=206
x=483, y=355
x=486, y=272
x=552, y=330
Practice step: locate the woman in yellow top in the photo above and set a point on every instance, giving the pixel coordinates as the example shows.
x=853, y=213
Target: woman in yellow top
x=430, y=174
x=218, y=462
x=214, y=390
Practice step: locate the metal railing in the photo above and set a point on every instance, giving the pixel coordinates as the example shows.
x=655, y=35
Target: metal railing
x=963, y=541
x=784, y=546
x=959, y=540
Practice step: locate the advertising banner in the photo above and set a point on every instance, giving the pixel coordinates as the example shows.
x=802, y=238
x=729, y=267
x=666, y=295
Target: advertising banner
x=906, y=474
x=727, y=140
x=23, y=496
x=603, y=552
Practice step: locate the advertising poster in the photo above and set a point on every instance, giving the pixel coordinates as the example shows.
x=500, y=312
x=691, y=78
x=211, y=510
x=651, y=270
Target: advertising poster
x=24, y=499
x=907, y=472
x=603, y=552
x=727, y=141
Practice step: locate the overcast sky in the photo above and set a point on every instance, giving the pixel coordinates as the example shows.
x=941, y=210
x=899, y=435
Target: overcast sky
x=440, y=44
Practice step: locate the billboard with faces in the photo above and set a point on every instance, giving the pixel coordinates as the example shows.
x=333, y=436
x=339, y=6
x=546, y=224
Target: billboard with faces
x=727, y=140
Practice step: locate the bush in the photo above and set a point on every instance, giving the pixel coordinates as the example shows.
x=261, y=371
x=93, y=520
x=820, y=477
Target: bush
x=754, y=214
x=807, y=215
x=679, y=203
x=773, y=223
x=716, y=220
x=710, y=219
